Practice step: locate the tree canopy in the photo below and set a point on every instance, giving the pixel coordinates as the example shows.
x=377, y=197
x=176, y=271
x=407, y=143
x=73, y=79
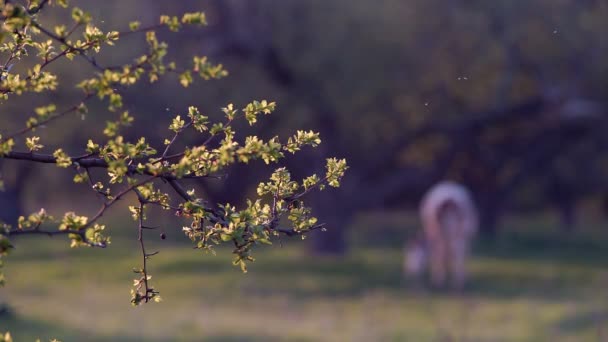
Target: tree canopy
x=506, y=97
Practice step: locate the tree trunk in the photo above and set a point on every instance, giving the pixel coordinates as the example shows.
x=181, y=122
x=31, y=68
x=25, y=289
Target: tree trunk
x=567, y=213
x=489, y=212
x=332, y=241
x=10, y=205
x=329, y=209
x=11, y=199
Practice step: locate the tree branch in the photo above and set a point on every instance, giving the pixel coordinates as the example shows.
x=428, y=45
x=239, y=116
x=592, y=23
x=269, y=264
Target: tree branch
x=15, y=232
x=125, y=191
x=88, y=162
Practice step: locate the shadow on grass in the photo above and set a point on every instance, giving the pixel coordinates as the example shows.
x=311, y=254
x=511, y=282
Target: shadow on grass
x=353, y=276
x=583, y=321
x=540, y=263
x=23, y=329
x=575, y=249
x=245, y=338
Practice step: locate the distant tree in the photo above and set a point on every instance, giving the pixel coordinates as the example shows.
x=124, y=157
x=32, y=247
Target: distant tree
x=28, y=51
x=494, y=95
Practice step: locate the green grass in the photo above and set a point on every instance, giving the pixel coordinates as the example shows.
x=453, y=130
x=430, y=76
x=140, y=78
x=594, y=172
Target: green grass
x=531, y=285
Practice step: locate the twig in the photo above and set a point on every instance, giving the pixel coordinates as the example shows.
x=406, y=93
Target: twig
x=51, y=233
x=47, y=120
x=140, y=238
x=293, y=232
x=125, y=191
x=43, y=232
x=174, y=139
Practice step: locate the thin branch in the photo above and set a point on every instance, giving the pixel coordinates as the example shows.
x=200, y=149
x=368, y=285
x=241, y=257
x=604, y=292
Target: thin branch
x=205, y=143
x=43, y=232
x=293, y=232
x=102, y=194
x=180, y=190
x=174, y=139
x=125, y=191
x=82, y=51
x=50, y=159
x=87, y=161
x=309, y=189
x=72, y=29
x=47, y=120
x=140, y=238
x=51, y=233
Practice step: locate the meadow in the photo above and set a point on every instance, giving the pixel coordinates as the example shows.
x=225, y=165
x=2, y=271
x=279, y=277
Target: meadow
x=531, y=284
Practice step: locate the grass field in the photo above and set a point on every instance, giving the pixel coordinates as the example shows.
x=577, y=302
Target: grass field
x=529, y=285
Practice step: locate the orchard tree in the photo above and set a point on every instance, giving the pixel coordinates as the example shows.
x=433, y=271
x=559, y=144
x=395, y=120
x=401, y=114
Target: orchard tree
x=492, y=94
x=136, y=169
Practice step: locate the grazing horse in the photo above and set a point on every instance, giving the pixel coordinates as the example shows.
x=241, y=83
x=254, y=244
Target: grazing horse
x=450, y=220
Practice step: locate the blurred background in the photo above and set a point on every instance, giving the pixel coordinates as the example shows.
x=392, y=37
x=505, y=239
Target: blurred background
x=506, y=97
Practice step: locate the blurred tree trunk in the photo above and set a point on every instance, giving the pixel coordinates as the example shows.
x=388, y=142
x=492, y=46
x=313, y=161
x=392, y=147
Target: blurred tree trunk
x=489, y=212
x=10, y=202
x=489, y=196
x=11, y=199
x=329, y=208
x=566, y=207
x=604, y=204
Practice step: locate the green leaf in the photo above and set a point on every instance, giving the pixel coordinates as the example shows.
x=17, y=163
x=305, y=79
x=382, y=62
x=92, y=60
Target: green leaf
x=134, y=25
x=177, y=124
x=185, y=79
x=32, y=144
x=254, y=108
x=62, y=159
x=195, y=18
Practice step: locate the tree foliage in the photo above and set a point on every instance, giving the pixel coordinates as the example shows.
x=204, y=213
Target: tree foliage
x=29, y=49
x=494, y=95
